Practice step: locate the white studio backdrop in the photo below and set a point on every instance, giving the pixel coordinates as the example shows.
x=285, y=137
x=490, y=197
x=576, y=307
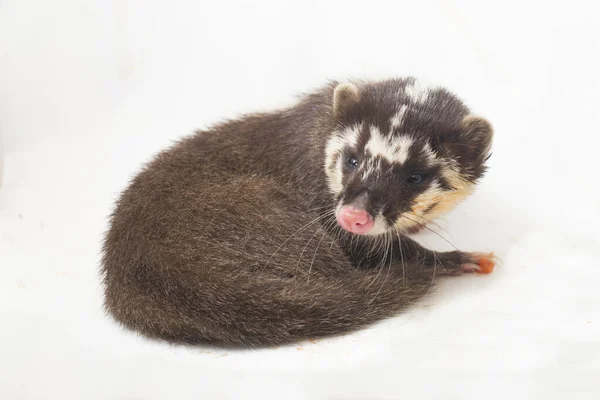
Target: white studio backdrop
x=90, y=90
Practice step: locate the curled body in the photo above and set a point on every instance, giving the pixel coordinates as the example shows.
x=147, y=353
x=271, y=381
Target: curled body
x=282, y=226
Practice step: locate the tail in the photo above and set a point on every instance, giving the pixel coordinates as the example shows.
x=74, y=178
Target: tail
x=260, y=309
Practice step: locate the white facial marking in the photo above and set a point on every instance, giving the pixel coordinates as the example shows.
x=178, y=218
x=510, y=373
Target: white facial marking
x=429, y=153
x=333, y=163
x=401, y=149
x=418, y=91
x=394, y=151
x=397, y=119
x=379, y=226
x=352, y=134
x=365, y=175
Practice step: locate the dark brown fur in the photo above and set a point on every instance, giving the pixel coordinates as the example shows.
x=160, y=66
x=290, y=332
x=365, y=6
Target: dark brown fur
x=225, y=239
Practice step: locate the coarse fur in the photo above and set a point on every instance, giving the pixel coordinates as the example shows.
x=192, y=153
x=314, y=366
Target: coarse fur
x=230, y=237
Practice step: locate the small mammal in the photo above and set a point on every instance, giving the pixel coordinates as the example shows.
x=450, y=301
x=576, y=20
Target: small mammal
x=290, y=225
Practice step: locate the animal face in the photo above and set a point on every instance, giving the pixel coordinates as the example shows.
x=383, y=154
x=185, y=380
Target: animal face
x=401, y=157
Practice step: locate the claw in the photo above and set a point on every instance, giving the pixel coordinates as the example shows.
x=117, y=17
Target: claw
x=481, y=263
x=470, y=267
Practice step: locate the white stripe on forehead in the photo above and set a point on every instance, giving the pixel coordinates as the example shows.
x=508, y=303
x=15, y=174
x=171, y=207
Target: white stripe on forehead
x=333, y=167
x=333, y=163
x=351, y=134
x=394, y=151
x=397, y=119
x=429, y=153
x=418, y=91
x=338, y=141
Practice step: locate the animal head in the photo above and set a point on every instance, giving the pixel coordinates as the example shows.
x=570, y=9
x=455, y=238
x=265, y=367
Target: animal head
x=401, y=154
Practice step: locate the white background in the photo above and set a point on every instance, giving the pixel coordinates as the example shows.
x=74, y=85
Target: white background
x=89, y=90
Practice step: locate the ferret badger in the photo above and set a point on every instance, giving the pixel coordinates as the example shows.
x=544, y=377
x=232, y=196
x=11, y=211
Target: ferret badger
x=283, y=226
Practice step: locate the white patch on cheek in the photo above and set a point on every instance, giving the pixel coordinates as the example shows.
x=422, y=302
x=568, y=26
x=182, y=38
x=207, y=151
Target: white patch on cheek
x=442, y=200
x=336, y=184
x=452, y=175
x=332, y=164
x=333, y=160
x=449, y=199
x=429, y=197
x=414, y=218
x=334, y=177
x=379, y=226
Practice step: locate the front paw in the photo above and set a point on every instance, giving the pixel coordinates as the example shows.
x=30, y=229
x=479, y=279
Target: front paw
x=481, y=263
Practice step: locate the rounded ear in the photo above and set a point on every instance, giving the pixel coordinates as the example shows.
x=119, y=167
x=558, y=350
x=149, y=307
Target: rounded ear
x=345, y=95
x=469, y=144
x=478, y=132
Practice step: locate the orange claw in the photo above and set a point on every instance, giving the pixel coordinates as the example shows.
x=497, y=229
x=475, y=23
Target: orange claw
x=486, y=264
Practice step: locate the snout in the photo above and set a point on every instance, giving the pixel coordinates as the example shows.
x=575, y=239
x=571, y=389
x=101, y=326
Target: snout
x=354, y=220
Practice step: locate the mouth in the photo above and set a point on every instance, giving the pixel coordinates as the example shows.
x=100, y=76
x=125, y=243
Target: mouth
x=356, y=220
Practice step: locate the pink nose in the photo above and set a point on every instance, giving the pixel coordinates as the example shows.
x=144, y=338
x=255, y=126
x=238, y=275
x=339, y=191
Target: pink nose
x=354, y=220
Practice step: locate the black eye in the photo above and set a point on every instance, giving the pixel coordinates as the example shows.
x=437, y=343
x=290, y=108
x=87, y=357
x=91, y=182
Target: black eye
x=415, y=178
x=352, y=162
